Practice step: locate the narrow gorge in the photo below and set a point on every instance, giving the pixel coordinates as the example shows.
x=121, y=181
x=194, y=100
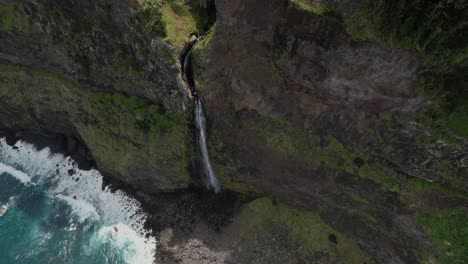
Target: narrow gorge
x=233, y=131
x=209, y=177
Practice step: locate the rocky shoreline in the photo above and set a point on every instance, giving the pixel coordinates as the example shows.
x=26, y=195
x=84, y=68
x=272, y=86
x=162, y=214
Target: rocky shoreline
x=336, y=128
x=174, y=218
x=58, y=143
x=194, y=225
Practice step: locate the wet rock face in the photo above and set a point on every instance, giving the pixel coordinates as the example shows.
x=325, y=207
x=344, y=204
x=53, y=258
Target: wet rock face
x=295, y=65
x=92, y=70
x=281, y=87
x=103, y=45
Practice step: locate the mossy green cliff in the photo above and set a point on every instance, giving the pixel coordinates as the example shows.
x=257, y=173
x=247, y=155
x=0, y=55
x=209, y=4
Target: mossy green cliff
x=131, y=140
x=106, y=73
x=308, y=237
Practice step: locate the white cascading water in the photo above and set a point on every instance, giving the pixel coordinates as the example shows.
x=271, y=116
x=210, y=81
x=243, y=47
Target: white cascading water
x=211, y=181
x=200, y=123
x=118, y=216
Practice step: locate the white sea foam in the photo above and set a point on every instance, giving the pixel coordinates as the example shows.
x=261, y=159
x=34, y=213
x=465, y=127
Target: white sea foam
x=29, y=160
x=80, y=208
x=134, y=248
x=19, y=175
x=92, y=202
x=3, y=210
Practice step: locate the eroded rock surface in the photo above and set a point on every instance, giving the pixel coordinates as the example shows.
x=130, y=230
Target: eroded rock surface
x=94, y=71
x=306, y=112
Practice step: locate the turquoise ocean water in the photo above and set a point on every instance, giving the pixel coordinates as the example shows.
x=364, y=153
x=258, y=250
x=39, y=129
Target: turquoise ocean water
x=50, y=216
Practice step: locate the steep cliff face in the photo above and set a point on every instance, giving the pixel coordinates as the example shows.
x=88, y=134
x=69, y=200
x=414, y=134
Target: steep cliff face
x=305, y=109
x=351, y=109
x=105, y=46
x=99, y=72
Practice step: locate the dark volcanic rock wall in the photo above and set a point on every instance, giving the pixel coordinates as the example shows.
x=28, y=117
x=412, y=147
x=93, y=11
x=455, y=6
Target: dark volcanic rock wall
x=304, y=105
x=307, y=113
x=94, y=71
x=103, y=45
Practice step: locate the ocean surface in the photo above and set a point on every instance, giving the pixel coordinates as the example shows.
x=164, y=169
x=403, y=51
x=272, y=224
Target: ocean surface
x=52, y=212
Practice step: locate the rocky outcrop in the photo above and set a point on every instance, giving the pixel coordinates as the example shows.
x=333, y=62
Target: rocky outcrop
x=98, y=72
x=302, y=110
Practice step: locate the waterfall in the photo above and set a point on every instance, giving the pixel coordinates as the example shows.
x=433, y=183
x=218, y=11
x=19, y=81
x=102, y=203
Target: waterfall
x=200, y=123
x=210, y=179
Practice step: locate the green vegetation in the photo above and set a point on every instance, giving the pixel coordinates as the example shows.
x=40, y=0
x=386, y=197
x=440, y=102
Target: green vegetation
x=412, y=186
x=194, y=10
x=436, y=28
x=118, y=129
x=378, y=173
x=287, y=139
x=284, y=137
x=151, y=13
x=208, y=36
x=315, y=6
x=150, y=119
x=12, y=17
x=318, y=7
x=36, y=71
x=180, y=23
x=7, y=16
x=303, y=227
x=457, y=122
x=422, y=25
x=117, y=63
x=200, y=73
x=449, y=230
x=174, y=19
x=128, y=125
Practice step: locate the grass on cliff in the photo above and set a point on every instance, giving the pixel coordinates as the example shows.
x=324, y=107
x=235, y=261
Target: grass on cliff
x=437, y=29
x=170, y=19
x=303, y=227
x=180, y=23
x=152, y=16
x=457, y=122
x=176, y=20
x=117, y=128
x=284, y=137
x=443, y=125
x=149, y=118
x=449, y=230
x=13, y=17
x=318, y=7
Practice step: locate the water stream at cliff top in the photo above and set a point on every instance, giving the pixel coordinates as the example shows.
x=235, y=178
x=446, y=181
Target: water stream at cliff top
x=210, y=180
x=52, y=212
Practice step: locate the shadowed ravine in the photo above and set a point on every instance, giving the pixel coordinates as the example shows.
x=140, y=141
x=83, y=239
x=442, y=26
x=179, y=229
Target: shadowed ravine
x=208, y=175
